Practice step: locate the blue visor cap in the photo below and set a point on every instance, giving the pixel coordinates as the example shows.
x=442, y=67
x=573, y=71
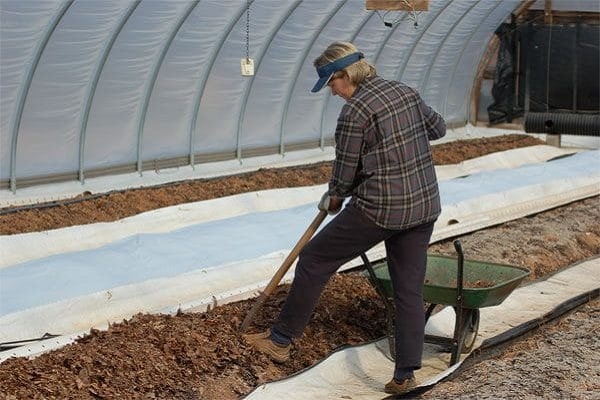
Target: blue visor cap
x=326, y=71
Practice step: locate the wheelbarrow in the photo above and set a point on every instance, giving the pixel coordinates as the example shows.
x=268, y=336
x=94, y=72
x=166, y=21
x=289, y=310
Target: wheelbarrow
x=465, y=285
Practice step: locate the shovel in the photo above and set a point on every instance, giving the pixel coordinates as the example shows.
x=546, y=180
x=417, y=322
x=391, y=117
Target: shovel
x=287, y=263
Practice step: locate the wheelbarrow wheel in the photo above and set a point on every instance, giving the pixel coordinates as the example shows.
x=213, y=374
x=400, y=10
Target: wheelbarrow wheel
x=469, y=332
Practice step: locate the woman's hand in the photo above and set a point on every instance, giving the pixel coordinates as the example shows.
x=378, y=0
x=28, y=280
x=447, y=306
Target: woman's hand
x=331, y=204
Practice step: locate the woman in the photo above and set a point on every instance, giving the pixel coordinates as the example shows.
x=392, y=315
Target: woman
x=383, y=162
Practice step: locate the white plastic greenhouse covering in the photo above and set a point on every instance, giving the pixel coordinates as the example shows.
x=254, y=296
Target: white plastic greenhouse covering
x=110, y=86
x=119, y=88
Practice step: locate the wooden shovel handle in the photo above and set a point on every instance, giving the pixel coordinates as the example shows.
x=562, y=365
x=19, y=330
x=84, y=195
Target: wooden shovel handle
x=285, y=266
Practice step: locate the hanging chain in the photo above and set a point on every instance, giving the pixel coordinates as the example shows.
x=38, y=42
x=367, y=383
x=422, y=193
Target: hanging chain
x=247, y=64
x=247, y=30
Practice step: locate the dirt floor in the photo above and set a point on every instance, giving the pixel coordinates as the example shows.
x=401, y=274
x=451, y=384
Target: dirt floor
x=557, y=361
x=201, y=356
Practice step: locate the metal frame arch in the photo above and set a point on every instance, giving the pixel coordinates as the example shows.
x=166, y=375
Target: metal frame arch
x=440, y=46
x=248, y=87
x=418, y=39
x=199, y=92
x=24, y=90
x=375, y=58
x=445, y=98
x=92, y=85
x=151, y=82
x=298, y=67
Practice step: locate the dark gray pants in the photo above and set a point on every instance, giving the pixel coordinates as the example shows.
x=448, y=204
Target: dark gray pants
x=347, y=236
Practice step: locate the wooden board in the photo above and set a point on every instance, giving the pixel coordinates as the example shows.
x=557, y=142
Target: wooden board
x=398, y=5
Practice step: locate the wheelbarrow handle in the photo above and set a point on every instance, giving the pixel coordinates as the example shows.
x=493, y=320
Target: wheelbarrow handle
x=287, y=263
x=458, y=248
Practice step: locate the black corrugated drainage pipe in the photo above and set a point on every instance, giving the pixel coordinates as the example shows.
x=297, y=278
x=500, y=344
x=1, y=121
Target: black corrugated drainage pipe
x=563, y=123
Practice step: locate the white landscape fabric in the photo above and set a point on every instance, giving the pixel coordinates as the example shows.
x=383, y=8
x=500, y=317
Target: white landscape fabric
x=194, y=256
x=360, y=372
x=18, y=248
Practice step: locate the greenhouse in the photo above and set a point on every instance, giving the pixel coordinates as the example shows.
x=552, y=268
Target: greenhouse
x=109, y=109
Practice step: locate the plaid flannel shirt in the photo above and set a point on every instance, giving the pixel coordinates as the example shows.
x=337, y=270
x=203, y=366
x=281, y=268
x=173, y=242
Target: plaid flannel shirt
x=382, y=154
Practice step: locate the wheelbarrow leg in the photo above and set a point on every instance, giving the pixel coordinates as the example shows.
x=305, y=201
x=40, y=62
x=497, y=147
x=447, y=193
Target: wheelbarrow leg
x=429, y=311
x=456, y=339
x=458, y=326
x=389, y=310
x=464, y=334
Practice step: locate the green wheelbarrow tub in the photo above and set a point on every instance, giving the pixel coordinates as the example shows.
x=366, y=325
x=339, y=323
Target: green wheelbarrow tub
x=484, y=284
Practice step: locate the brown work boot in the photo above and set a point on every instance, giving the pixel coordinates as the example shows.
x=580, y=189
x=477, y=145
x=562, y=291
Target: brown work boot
x=253, y=337
x=263, y=343
x=400, y=387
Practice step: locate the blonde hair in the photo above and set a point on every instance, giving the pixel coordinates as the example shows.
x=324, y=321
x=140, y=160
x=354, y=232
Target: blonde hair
x=356, y=72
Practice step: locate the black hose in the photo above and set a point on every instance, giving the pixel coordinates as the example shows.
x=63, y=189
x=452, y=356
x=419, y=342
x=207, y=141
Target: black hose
x=563, y=123
x=18, y=343
x=555, y=313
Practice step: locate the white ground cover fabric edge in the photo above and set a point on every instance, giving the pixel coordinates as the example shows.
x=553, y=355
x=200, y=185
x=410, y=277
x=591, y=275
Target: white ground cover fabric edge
x=360, y=372
x=28, y=246
x=63, y=190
